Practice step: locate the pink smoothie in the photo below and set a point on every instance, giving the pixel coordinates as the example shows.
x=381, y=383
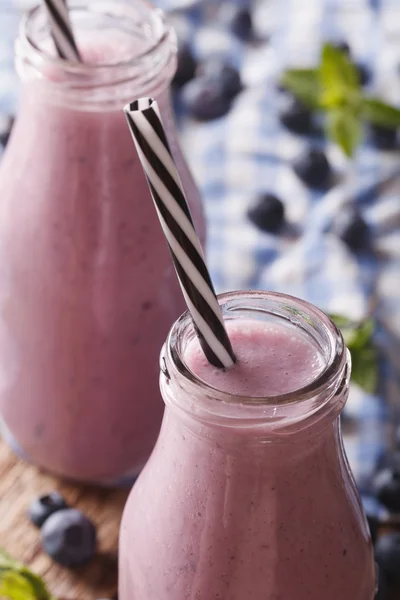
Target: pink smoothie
x=233, y=512
x=267, y=364
x=87, y=287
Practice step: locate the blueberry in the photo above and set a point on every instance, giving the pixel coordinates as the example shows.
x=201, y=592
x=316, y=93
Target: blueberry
x=387, y=554
x=373, y=525
x=383, y=137
x=267, y=213
x=186, y=65
x=69, y=537
x=296, y=117
x=239, y=21
x=343, y=46
x=382, y=593
x=6, y=125
x=364, y=74
x=387, y=488
x=204, y=99
x=40, y=509
x=376, y=514
x=313, y=168
x=391, y=460
x=352, y=229
x=223, y=71
x=397, y=437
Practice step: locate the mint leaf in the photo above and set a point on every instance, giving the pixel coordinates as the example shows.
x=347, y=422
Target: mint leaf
x=361, y=335
x=364, y=370
x=358, y=338
x=304, y=84
x=37, y=584
x=337, y=67
x=347, y=327
x=6, y=561
x=17, y=582
x=15, y=587
x=334, y=87
x=338, y=77
x=345, y=128
x=380, y=113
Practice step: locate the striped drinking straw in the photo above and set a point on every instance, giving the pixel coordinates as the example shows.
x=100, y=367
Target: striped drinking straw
x=61, y=30
x=173, y=211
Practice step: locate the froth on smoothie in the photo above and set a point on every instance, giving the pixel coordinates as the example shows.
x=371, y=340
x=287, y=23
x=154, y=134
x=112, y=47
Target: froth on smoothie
x=271, y=360
x=96, y=50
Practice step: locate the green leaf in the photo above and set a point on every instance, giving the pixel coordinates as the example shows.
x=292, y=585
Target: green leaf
x=334, y=87
x=345, y=128
x=364, y=369
x=14, y=586
x=347, y=327
x=336, y=67
x=304, y=84
x=380, y=113
x=362, y=335
x=6, y=561
x=356, y=334
x=17, y=582
x=338, y=78
x=37, y=584
x=358, y=338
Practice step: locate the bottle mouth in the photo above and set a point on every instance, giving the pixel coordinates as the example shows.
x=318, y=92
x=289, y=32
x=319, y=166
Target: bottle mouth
x=136, y=45
x=279, y=309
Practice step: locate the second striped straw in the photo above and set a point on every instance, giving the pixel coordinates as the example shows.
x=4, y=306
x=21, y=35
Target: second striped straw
x=172, y=208
x=61, y=30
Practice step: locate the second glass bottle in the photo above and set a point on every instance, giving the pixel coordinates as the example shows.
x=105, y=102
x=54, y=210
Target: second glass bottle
x=88, y=290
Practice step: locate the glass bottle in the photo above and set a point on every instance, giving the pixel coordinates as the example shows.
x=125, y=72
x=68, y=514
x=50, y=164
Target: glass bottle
x=250, y=496
x=88, y=290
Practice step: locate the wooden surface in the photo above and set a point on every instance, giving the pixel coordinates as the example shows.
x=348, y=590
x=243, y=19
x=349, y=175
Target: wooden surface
x=19, y=484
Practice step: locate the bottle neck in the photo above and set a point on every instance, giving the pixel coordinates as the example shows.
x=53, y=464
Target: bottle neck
x=287, y=416
x=128, y=51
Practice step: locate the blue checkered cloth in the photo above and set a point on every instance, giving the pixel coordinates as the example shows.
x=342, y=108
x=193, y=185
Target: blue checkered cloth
x=248, y=152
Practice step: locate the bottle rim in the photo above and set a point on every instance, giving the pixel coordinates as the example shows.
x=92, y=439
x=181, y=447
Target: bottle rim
x=330, y=381
x=146, y=67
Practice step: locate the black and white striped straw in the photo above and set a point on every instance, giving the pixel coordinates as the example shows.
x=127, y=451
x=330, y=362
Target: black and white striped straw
x=167, y=192
x=61, y=30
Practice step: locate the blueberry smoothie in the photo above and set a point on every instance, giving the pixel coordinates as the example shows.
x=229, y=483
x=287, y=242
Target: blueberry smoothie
x=87, y=287
x=243, y=501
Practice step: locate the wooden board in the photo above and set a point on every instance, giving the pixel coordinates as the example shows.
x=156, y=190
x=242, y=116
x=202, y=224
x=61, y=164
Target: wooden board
x=19, y=484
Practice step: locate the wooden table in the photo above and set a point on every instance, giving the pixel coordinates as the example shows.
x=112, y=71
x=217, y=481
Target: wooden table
x=21, y=483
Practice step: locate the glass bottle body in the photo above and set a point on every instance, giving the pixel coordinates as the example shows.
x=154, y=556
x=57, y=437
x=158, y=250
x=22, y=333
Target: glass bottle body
x=247, y=498
x=88, y=288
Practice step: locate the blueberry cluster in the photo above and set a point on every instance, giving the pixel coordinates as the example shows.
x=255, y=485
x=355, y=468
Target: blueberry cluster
x=314, y=169
x=207, y=89
x=267, y=212
x=67, y=535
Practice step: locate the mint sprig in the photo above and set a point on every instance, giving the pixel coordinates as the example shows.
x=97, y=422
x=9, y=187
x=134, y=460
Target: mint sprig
x=334, y=88
x=358, y=338
x=344, y=128
x=17, y=582
x=304, y=84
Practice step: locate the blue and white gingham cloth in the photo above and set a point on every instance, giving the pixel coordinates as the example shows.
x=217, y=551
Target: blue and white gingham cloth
x=248, y=152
